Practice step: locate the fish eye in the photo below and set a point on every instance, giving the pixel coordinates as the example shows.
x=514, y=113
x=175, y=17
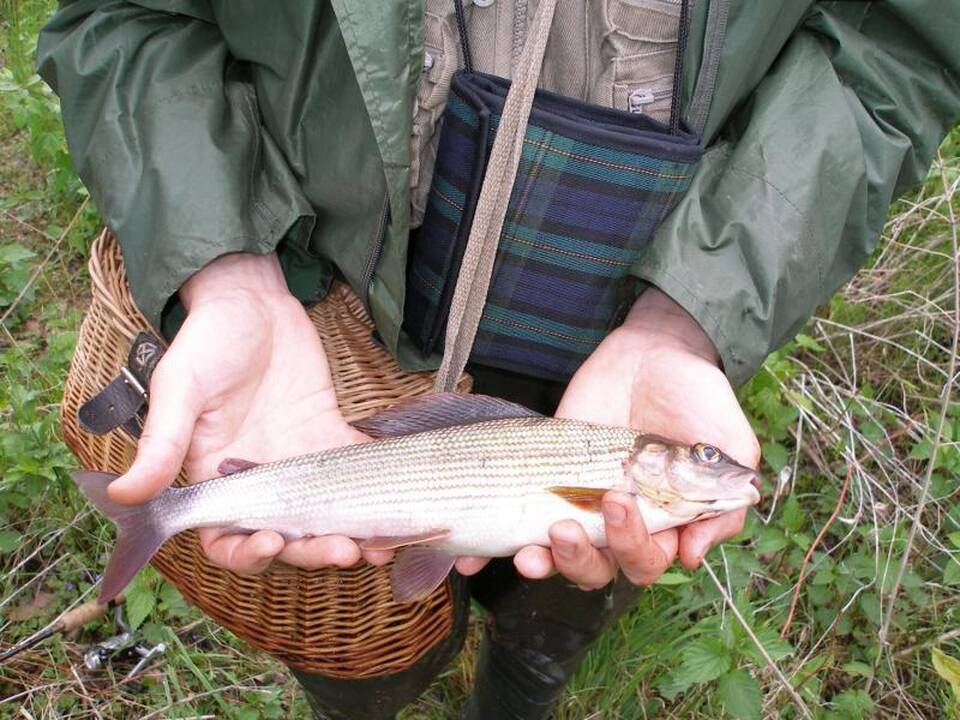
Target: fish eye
x=708, y=453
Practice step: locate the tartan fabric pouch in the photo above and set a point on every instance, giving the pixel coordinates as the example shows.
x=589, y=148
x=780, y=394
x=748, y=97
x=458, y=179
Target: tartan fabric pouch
x=592, y=186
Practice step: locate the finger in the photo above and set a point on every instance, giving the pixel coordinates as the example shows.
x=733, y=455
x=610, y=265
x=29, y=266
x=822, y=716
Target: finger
x=534, y=562
x=163, y=445
x=744, y=447
x=469, y=565
x=578, y=560
x=316, y=552
x=242, y=554
x=641, y=559
x=378, y=557
x=669, y=543
x=697, y=538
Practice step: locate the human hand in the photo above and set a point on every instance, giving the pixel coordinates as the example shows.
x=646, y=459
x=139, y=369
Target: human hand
x=246, y=377
x=659, y=373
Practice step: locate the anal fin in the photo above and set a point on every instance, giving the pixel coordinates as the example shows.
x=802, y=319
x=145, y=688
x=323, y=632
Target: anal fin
x=418, y=571
x=585, y=498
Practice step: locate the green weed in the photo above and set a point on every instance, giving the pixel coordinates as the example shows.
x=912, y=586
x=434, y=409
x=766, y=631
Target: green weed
x=846, y=415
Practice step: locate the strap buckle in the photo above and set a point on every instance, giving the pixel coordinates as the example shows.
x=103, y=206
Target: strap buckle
x=123, y=402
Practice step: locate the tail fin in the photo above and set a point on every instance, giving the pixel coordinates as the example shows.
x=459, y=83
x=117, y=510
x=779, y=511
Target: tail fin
x=139, y=535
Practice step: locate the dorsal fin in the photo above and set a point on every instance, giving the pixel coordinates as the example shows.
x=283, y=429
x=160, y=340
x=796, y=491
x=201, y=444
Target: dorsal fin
x=441, y=410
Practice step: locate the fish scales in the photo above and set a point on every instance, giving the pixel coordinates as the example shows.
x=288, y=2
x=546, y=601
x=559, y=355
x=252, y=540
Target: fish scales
x=413, y=481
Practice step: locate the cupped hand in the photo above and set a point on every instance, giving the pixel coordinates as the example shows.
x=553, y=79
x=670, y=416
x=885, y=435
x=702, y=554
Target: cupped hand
x=245, y=377
x=658, y=373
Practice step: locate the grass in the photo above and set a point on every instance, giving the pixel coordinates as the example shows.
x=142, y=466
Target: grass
x=848, y=574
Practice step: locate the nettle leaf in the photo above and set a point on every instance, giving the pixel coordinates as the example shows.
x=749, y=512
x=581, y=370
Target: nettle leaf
x=807, y=342
x=777, y=648
x=14, y=254
x=856, y=667
x=823, y=577
x=854, y=704
x=870, y=606
x=771, y=539
x=672, y=684
x=951, y=573
x=141, y=598
x=910, y=579
x=674, y=578
x=802, y=540
x=768, y=401
x=872, y=431
x=819, y=594
x=862, y=566
x=948, y=668
x=792, y=516
x=775, y=455
x=9, y=539
x=740, y=695
x=704, y=660
x=921, y=451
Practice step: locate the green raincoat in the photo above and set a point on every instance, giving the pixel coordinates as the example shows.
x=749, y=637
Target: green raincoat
x=204, y=127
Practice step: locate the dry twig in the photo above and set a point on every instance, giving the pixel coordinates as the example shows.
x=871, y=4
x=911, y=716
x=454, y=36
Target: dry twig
x=938, y=435
x=810, y=551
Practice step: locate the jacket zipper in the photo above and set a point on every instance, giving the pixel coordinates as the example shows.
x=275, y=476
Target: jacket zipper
x=640, y=98
x=366, y=279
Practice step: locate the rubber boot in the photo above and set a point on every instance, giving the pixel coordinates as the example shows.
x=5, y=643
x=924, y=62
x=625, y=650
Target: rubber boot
x=381, y=698
x=537, y=635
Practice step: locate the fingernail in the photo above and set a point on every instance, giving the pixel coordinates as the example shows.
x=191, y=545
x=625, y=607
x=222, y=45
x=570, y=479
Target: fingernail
x=614, y=514
x=565, y=550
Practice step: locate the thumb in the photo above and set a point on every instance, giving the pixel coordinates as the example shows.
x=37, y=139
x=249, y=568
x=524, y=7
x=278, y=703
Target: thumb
x=163, y=446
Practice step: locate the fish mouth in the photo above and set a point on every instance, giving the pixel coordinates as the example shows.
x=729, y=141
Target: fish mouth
x=738, y=488
x=740, y=476
x=750, y=483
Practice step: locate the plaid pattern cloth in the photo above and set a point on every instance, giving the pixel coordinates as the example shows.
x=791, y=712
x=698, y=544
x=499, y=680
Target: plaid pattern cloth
x=592, y=186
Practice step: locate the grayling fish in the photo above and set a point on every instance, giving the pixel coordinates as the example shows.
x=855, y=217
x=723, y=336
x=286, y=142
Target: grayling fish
x=449, y=475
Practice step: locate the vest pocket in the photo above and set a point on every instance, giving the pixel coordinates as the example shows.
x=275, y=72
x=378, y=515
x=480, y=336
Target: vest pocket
x=639, y=50
x=644, y=87
x=440, y=58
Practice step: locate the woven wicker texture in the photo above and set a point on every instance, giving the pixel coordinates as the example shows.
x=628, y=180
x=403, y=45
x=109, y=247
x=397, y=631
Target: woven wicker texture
x=337, y=622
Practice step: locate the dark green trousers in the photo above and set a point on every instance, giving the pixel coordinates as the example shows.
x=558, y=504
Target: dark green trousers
x=537, y=631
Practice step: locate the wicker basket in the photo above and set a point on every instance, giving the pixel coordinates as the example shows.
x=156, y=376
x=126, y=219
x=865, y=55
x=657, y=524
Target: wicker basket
x=336, y=622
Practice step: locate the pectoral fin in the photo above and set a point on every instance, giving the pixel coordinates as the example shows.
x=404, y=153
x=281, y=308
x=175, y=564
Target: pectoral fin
x=229, y=466
x=392, y=542
x=585, y=498
x=418, y=571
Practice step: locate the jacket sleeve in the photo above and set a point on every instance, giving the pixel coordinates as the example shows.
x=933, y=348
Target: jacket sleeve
x=791, y=198
x=163, y=128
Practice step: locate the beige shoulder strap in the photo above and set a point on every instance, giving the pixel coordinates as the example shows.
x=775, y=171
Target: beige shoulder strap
x=473, y=282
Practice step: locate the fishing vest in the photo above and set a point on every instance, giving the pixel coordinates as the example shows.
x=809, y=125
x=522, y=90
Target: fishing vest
x=615, y=53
